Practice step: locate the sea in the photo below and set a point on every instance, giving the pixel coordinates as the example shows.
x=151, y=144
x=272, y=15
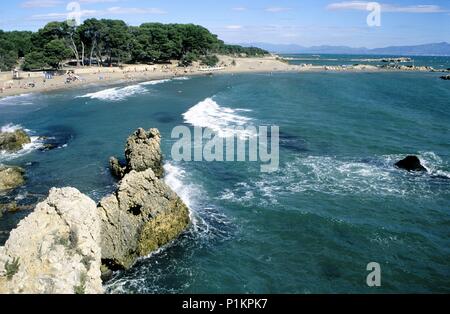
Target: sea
x=336, y=204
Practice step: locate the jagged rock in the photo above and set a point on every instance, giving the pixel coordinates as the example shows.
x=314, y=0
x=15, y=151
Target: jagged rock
x=56, y=249
x=116, y=168
x=143, y=215
x=411, y=163
x=13, y=141
x=11, y=177
x=143, y=152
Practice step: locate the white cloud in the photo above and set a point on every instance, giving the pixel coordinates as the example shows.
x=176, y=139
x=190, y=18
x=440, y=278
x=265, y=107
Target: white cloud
x=276, y=9
x=362, y=6
x=120, y=10
x=40, y=4
x=233, y=27
x=96, y=1
x=239, y=9
x=98, y=13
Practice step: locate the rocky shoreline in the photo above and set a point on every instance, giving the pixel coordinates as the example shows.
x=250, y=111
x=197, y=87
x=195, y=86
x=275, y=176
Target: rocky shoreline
x=68, y=241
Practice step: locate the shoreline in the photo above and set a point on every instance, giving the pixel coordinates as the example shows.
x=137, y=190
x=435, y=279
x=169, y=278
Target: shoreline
x=140, y=73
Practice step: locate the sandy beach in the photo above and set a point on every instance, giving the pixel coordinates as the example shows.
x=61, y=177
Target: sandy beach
x=36, y=81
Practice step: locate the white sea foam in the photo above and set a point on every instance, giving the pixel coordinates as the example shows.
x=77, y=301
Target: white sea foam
x=116, y=93
x=334, y=176
x=222, y=120
x=10, y=128
x=154, y=82
x=207, y=222
x=174, y=179
x=181, y=78
x=22, y=99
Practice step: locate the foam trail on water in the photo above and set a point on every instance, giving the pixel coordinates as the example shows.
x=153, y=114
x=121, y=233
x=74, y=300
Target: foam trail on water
x=222, y=120
x=116, y=93
x=155, y=82
x=22, y=99
x=173, y=178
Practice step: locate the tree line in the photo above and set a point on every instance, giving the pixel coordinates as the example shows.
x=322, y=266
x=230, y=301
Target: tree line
x=109, y=42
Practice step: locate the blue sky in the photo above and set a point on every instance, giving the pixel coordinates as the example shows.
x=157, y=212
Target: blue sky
x=314, y=22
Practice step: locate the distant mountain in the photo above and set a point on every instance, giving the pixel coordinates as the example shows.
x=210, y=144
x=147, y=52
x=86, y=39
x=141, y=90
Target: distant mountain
x=436, y=49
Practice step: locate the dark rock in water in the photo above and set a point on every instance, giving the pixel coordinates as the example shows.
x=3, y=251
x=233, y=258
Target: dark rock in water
x=48, y=146
x=445, y=77
x=411, y=163
x=11, y=177
x=13, y=207
x=13, y=141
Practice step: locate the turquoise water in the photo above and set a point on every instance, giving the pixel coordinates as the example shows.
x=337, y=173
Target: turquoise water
x=336, y=204
x=441, y=63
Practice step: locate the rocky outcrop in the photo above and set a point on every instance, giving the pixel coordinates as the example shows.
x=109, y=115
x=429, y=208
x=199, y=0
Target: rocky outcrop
x=143, y=215
x=13, y=141
x=445, y=77
x=68, y=240
x=142, y=152
x=56, y=249
x=410, y=163
x=11, y=177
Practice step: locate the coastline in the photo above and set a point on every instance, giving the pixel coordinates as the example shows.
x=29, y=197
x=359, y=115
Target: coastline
x=137, y=73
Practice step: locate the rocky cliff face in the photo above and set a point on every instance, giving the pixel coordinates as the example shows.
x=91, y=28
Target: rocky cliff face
x=56, y=249
x=13, y=141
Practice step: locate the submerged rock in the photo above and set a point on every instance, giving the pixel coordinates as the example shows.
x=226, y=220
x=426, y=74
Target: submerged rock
x=143, y=215
x=11, y=177
x=410, y=163
x=13, y=141
x=56, y=249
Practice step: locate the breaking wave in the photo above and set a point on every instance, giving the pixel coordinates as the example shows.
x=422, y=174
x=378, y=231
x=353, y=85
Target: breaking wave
x=154, y=82
x=116, y=93
x=222, y=120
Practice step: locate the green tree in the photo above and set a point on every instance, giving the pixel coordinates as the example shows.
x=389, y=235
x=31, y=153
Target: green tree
x=34, y=61
x=55, y=52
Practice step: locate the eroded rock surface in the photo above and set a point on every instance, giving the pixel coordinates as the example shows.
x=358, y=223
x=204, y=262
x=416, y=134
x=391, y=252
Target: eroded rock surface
x=143, y=215
x=56, y=249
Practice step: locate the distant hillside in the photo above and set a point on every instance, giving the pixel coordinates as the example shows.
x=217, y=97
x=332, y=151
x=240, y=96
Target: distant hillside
x=436, y=49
